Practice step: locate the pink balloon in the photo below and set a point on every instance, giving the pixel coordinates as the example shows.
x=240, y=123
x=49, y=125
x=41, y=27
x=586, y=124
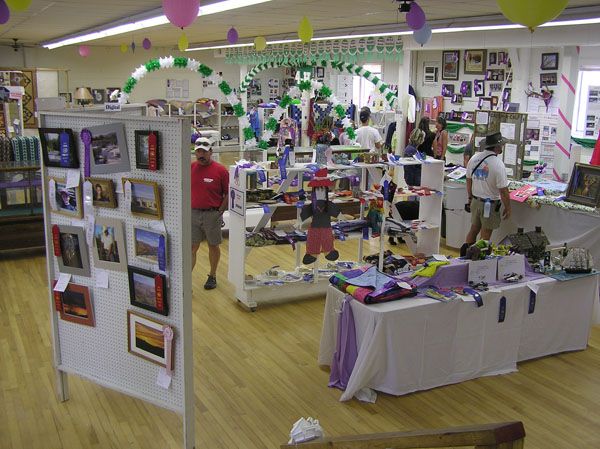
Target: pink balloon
x=84, y=51
x=4, y=12
x=146, y=44
x=181, y=13
x=232, y=36
x=415, y=18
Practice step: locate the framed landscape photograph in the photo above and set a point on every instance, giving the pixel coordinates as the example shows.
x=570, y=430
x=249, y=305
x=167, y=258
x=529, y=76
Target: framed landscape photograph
x=147, y=150
x=475, y=62
x=108, y=149
x=68, y=199
x=73, y=257
x=450, y=65
x=108, y=244
x=58, y=148
x=76, y=305
x=145, y=198
x=148, y=290
x=584, y=185
x=149, y=244
x=145, y=338
x=549, y=61
x=103, y=193
x=548, y=79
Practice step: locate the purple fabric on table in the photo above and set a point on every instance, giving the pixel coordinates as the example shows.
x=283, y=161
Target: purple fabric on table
x=346, y=351
x=371, y=278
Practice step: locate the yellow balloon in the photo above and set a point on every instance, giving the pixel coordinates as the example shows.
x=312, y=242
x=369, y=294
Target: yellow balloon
x=531, y=13
x=305, y=30
x=183, y=43
x=260, y=43
x=124, y=48
x=18, y=5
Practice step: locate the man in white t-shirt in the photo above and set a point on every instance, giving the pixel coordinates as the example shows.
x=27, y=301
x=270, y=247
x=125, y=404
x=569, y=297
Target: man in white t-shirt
x=487, y=187
x=367, y=136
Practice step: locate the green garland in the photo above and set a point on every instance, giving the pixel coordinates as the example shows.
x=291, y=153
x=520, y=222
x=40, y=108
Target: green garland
x=271, y=124
x=224, y=87
x=263, y=145
x=129, y=85
x=152, y=65
x=285, y=101
x=351, y=133
x=304, y=85
x=248, y=133
x=325, y=92
x=340, y=111
x=205, y=70
x=181, y=63
x=238, y=110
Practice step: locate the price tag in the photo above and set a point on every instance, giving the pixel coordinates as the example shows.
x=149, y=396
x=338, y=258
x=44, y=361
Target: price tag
x=73, y=177
x=63, y=281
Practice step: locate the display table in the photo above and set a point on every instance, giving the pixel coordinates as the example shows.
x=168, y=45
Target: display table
x=419, y=343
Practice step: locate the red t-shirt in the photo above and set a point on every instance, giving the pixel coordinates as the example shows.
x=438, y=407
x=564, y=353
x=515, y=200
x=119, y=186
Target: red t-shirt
x=210, y=184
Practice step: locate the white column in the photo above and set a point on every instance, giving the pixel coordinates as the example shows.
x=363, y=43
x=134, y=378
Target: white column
x=244, y=98
x=520, y=59
x=305, y=140
x=403, y=83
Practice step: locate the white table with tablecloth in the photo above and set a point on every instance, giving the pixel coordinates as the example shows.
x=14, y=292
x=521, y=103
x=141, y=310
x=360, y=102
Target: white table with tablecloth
x=419, y=343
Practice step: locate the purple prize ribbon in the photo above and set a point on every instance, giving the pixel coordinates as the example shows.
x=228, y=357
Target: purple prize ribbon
x=365, y=233
x=86, y=138
x=261, y=175
x=162, y=259
x=300, y=204
x=65, y=153
x=266, y=208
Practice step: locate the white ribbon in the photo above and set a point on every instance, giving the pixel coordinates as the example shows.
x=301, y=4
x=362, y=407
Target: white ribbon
x=251, y=143
x=278, y=112
x=87, y=198
x=166, y=62
x=244, y=122
x=139, y=73
x=168, y=340
x=52, y=194
x=232, y=99
x=123, y=97
x=193, y=65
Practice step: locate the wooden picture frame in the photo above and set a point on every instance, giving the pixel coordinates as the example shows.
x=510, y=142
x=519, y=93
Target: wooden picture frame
x=73, y=258
x=145, y=339
x=548, y=79
x=103, y=193
x=145, y=198
x=108, y=244
x=76, y=305
x=145, y=157
x=144, y=291
x=475, y=62
x=584, y=185
x=492, y=58
x=108, y=150
x=69, y=200
x=549, y=61
x=52, y=153
x=450, y=65
x=146, y=243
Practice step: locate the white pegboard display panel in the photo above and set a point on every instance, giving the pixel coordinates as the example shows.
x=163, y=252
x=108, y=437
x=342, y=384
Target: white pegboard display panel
x=100, y=353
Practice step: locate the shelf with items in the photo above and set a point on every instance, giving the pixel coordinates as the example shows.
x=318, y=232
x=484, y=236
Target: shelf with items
x=306, y=155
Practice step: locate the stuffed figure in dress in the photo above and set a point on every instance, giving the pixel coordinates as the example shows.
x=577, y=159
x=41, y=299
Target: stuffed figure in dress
x=320, y=237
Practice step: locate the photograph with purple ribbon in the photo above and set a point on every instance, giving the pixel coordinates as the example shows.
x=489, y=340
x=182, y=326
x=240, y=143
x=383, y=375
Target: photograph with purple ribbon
x=450, y=65
x=479, y=88
x=475, y=62
x=58, y=148
x=447, y=90
x=150, y=245
x=466, y=88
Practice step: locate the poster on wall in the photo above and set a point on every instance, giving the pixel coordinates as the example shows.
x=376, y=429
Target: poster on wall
x=592, y=119
x=178, y=88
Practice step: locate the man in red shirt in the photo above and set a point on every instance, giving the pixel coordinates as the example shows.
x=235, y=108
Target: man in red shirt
x=210, y=186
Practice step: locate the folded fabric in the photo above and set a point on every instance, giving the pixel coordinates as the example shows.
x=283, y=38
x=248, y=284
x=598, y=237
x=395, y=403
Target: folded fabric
x=385, y=287
x=430, y=268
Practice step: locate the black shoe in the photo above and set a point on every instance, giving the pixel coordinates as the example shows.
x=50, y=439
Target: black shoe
x=392, y=241
x=333, y=255
x=210, y=283
x=308, y=259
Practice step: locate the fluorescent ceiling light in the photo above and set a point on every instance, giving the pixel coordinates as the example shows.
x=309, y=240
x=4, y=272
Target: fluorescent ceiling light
x=205, y=10
x=591, y=21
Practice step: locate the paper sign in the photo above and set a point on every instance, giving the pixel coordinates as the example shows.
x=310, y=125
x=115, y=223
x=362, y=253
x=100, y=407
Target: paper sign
x=482, y=118
x=483, y=270
x=459, y=172
x=440, y=257
x=119, y=187
x=63, y=281
x=73, y=177
x=163, y=380
x=507, y=130
x=510, y=154
x=52, y=194
x=511, y=264
x=101, y=278
x=127, y=188
x=158, y=225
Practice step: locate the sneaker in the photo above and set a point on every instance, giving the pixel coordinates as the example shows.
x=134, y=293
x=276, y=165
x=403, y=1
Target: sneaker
x=210, y=283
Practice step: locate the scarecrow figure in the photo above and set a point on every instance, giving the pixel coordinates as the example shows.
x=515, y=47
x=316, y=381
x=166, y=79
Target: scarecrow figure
x=320, y=237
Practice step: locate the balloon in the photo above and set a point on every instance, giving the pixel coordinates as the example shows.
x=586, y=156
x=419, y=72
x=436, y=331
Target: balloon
x=84, y=51
x=4, y=13
x=531, y=13
x=415, y=18
x=423, y=35
x=18, y=5
x=232, y=36
x=181, y=13
x=146, y=44
x=260, y=43
x=183, y=43
x=305, y=30
x=124, y=48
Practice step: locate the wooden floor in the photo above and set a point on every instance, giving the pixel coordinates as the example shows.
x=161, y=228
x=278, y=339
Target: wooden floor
x=256, y=373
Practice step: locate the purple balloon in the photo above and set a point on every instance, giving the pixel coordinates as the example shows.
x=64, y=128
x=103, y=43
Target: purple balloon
x=146, y=44
x=423, y=35
x=181, y=13
x=232, y=36
x=415, y=18
x=4, y=12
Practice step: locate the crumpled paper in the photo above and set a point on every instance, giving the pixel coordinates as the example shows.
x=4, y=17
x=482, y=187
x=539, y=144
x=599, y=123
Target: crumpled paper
x=305, y=430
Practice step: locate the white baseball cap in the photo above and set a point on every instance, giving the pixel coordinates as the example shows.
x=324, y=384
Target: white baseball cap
x=203, y=143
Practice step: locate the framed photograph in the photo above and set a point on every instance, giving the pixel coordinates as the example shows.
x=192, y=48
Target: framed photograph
x=475, y=62
x=68, y=96
x=479, y=88
x=76, y=305
x=109, y=250
x=320, y=72
x=108, y=149
x=494, y=75
x=450, y=65
x=502, y=57
x=149, y=244
x=111, y=94
x=494, y=100
x=532, y=134
x=68, y=199
x=104, y=193
x=148, y=290
x=485, y=103
x=74, y=258
x=457, y=99
x=548, y=79
x=447, y=90
x=549, y=61
x=466, y=88
x=145, y=198
x=492, y=58
x=495, y=87
x=145, y=338
x=58, y=148
x=584, y=185
x=147, y=150
x=99, y=96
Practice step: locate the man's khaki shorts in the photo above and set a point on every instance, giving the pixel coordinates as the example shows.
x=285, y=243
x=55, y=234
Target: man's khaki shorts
x=206, y=225
x=477, y=218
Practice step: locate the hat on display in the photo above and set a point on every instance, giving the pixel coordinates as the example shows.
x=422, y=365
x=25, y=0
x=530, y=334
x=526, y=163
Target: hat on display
x=492, y=141
x=321, y=179
x=203, y=143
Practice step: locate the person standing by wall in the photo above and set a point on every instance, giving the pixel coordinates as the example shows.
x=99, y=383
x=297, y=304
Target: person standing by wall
x=367, y=136
x=210, y=186
x=440, y=141
x=425, y=147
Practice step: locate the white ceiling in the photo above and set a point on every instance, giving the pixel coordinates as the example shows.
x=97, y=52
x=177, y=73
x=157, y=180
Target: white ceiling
x=51, y=19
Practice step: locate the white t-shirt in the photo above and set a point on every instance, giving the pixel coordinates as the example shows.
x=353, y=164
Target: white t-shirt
x=367, y=137
x=489, y=177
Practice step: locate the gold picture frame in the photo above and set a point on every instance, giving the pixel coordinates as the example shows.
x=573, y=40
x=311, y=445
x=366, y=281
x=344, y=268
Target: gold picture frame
x=103, y=193
x=145, y=198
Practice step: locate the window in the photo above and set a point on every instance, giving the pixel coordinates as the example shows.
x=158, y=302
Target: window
x=587, y=79
x=363, y=88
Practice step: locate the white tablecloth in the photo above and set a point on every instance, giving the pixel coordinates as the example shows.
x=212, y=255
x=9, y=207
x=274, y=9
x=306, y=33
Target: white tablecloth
x=419, y=343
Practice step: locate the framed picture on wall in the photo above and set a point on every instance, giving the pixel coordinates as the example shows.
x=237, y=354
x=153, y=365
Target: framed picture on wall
x=109, y=149
x=103, y=193
x=479, y=88
x=146, y=338
x=108, y=246
x=76, y=305
x=466, y=88
x=148, y=290
x=584, y=185
x=58, y=148
x=73, y=256
x=450, y=65
x=145, y=198
x=475, y=62
x=147, y=150
x=99, y=96
x=549, y=61
x=68, y=199
x=492, y=58
x=548, y=79
x=447, y=90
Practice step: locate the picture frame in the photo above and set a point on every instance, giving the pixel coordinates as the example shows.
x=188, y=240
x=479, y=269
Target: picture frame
x=103, y=193
x=73, y=258
x=447, y=90
x=109, y=93
x=502, y=55
x=479, y=88
x=457, y=99
x=475, y=62
x=144, y=290
x=584, y=185
x=147, y=243
x=108, y=244
x=466, y=88
x=68, y=199
x=549, y=61
x=108, y=150
x=145, y=339
x=450, y=65
x=492, y=58
x=58, y=147
x=494, y=75
x=145, y=198
x=147, y=153
x=76, y=305
x=548, y=79
x=320, y=72
x=99, y=96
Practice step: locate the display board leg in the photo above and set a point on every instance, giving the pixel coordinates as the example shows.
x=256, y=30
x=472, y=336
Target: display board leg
x=62, y=385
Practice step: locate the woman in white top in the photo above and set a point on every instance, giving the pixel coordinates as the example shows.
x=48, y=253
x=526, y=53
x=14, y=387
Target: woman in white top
x=367, y=136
